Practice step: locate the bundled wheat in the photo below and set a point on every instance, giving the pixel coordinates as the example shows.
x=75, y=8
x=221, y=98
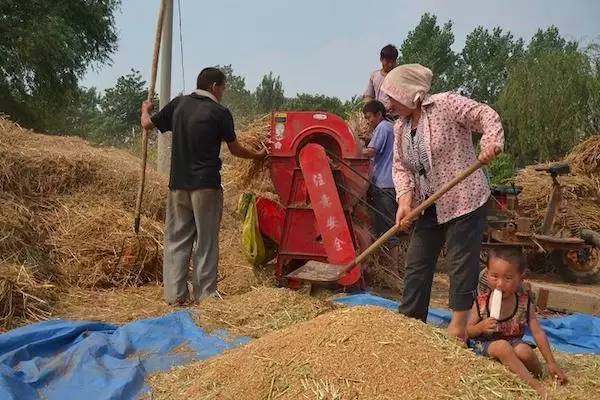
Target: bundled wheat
x=585, y=157
x=90, y=240
x=358, y=353
x=260, y=311
x=359, y=127
x=23, y=296
x=246, y=175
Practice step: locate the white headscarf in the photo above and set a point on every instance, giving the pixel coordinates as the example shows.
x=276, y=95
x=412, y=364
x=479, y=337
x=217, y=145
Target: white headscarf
x=408, y=84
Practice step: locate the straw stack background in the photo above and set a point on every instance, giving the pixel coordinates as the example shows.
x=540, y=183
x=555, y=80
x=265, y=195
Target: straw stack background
x=581, y=191
x=65, y=218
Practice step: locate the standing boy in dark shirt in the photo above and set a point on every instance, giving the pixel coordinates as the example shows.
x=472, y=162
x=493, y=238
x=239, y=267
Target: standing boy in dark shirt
x=195, y=200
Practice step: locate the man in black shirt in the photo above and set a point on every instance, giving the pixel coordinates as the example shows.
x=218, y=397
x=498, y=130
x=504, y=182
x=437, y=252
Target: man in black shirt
x=195, y=201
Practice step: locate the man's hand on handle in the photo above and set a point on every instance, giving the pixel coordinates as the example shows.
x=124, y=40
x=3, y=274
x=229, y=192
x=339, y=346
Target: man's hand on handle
x=262, y=153
x=146, y=117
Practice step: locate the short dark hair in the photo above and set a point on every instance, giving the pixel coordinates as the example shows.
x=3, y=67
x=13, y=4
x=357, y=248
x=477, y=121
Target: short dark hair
x=374, y=106
x=389, y=52
x=513, y=255
x=209, y=76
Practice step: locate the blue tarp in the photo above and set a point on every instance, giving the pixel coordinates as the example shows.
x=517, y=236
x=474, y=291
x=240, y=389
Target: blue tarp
x=579, y=333
x=66, y=360
x=72, y=360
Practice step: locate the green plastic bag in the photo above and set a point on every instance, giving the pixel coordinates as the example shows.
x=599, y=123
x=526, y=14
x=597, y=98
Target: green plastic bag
x=252, y=241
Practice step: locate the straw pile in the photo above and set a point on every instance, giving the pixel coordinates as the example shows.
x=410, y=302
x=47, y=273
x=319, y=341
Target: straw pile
x=23, y=295
x=38, y=167
x=581, y=192
x=260, y=311
x=93, y=244
x=585, y=157
x=357, y=353
x=16, y=232
x=66, y=211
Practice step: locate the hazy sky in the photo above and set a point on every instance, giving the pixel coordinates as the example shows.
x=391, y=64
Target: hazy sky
x=318, y=46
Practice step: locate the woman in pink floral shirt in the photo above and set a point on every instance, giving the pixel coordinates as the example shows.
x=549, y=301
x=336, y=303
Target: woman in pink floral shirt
x=433, y=144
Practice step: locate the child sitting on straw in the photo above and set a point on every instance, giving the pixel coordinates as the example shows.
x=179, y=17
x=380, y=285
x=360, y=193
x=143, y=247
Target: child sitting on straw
x=502, y=338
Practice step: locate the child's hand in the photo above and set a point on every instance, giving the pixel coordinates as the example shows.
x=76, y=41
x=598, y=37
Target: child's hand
x=488, y=326
x=555, y=371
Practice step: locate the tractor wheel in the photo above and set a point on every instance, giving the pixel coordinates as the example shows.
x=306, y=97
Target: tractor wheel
x=581, y=266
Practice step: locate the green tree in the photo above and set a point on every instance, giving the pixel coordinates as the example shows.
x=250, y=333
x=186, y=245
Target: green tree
x=484, y=61
x=120, y=110
x=549, y=39
x=269, y=94
x=237, y=98
x=430, y=45
x=593, y=54
x=82, y=115
x=545, y=104
x=317, y=102
x=45, y=48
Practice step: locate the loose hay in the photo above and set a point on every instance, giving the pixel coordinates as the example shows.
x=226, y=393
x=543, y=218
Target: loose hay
x=91, y=241
x=260, y=311
x=584, y=377
x=16, y=232
x=357, y=353
x=24, y=298
x=115, y=305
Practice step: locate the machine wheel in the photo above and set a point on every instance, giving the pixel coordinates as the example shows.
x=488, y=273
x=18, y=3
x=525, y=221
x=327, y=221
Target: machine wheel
x=582, y=266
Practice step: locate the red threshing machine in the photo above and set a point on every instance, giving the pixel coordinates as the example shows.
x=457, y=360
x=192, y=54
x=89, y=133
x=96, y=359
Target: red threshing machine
x=318, y=171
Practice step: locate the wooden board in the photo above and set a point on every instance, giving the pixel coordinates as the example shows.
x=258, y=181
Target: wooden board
x=562, y=299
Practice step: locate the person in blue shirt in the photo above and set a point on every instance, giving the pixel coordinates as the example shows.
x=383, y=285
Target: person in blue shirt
x=382, y=193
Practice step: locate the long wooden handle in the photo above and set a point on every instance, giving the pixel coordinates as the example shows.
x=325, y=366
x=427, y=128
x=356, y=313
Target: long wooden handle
x=413, y=214
x=151, y=91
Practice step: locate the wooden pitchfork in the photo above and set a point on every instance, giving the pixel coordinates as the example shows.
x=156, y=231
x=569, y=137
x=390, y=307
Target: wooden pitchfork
x=140, y=193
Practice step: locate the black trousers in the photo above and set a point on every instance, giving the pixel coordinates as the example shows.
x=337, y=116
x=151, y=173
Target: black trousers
x=463, y=236
x=384, y=201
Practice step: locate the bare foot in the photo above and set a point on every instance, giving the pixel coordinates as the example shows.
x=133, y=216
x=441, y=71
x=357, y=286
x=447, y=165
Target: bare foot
x=541, y=391
x=458, y=332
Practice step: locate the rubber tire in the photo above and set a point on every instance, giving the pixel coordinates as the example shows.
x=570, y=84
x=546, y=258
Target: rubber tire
x=569, y=275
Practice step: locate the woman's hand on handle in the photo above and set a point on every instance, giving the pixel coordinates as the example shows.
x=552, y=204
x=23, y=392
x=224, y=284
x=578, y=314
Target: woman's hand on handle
x=488, y=154
x=404, y=208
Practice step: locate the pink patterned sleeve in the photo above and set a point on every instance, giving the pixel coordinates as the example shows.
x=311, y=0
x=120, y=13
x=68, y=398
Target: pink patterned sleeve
x=402, y=176
x=477, y=117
